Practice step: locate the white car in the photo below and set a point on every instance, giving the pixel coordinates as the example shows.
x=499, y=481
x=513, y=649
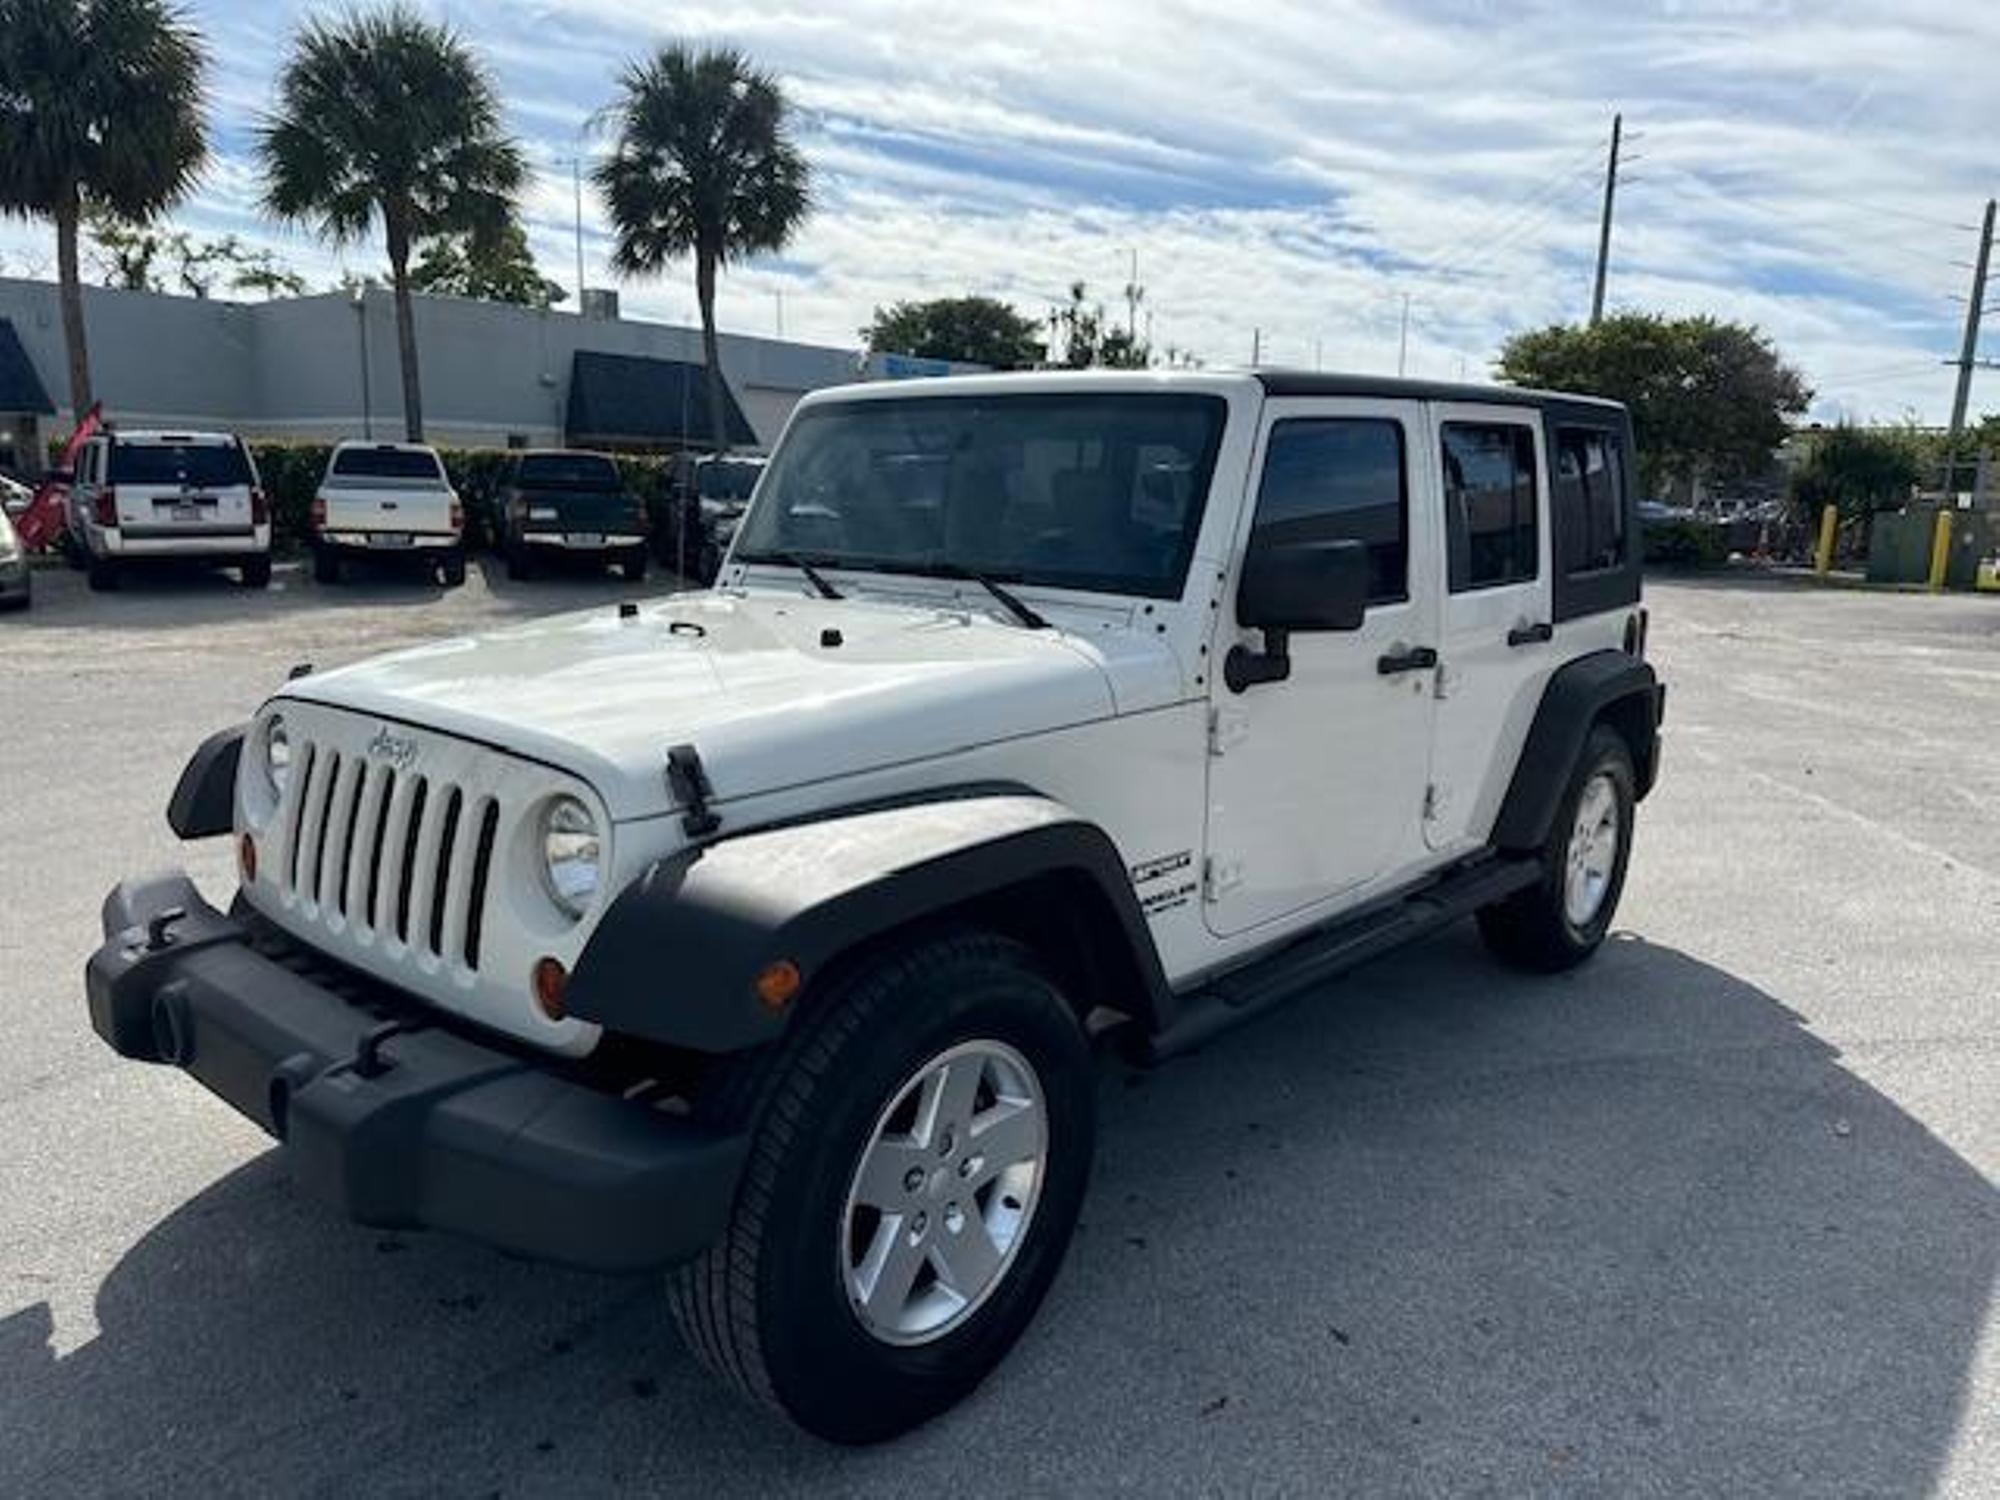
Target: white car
x=387, y=500
x=763, y=934
x=150, y=497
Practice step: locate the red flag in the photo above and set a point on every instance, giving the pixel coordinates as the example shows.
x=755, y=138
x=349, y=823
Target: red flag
x=43, y=521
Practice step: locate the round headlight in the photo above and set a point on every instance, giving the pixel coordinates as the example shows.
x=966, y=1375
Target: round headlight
x=277, y=754
x=571, y=855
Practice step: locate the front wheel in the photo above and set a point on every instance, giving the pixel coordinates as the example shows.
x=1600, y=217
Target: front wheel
x=1559, y=921
x=920, y=1149
x=256, y=572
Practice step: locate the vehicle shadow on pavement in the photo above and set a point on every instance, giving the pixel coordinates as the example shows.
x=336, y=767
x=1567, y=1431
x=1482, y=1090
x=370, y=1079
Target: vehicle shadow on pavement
x=1442, y=1228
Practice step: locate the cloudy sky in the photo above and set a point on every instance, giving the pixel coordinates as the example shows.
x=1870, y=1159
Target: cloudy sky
x=1814, y=166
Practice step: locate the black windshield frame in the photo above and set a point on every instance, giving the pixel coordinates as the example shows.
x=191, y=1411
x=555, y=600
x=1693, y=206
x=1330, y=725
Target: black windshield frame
x=919, y=443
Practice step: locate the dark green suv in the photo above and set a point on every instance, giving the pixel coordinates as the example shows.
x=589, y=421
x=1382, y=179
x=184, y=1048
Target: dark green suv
x=560, y=504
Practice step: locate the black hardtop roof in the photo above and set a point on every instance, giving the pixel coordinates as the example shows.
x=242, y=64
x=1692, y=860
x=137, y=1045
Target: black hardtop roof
x=1315, y=383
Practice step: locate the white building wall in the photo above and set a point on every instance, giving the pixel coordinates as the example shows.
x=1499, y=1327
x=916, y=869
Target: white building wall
x=294, y=368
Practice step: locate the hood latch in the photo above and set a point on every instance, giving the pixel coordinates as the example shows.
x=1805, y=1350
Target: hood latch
x=689, y=783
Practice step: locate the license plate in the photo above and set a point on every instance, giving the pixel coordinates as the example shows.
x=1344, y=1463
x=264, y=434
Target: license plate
x=388, y=538
x=187, y=510
x=585, y=538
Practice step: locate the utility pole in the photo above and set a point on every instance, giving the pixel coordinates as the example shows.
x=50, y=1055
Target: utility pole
x=1604, y=225
x=1968, y=351
x=1256, y=347
x=1133, y=294
x=1403, y=339
x=778, y=296
x=576, y=183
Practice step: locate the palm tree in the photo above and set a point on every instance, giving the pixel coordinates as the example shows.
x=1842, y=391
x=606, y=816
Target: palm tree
x=387, y=118
x=704, y=164
x=100, y=110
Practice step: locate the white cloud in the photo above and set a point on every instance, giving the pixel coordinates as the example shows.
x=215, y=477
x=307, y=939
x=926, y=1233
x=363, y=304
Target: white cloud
x=1300, y=168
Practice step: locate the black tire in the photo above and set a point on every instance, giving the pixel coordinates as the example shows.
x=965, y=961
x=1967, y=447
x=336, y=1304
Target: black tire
x=103, y=574
x=1533, y=928
x=766, y=1308
x=326, y=565
x=452, y=570
x=634, y=565
x=256, y=572
x=520, y=564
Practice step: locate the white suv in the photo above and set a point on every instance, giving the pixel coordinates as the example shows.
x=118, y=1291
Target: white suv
x=387, y=500
x=765, y=933
x=142, y=497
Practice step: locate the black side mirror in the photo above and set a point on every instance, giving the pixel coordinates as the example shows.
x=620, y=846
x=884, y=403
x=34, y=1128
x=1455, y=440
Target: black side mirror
x=1294, y=585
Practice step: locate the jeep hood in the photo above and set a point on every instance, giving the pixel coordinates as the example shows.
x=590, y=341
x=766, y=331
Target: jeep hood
x=773, y=691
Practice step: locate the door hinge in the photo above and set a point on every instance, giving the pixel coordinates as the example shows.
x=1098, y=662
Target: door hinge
x=1219, y=877
x=1436, y=799
x=1227, y=728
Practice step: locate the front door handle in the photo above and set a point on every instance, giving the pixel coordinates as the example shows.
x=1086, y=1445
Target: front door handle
x=1411, y=659
x=1531, y=635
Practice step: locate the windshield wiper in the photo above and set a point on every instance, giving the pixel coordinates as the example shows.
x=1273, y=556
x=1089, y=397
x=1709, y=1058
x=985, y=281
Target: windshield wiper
x=804, y=564
x=1012, y=602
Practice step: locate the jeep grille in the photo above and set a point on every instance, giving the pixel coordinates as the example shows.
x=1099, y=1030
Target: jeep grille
x=389, y=853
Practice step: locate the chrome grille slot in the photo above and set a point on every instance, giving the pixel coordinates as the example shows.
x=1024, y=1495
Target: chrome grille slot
x=412, y=836
x=454, y=804
x=482, y=869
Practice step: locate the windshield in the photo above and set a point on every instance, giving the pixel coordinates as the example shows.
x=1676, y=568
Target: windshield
x=358, y=465
x=723, y=479
x=568, y=471
x=196, y=465
x=1097, y=492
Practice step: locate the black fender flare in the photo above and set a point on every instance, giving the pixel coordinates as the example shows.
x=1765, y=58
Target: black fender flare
x=677, y=956
x=1605, y=684
x=204, y=799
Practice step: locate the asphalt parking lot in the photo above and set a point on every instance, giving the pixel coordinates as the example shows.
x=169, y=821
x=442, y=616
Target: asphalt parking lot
x=1716, y=1214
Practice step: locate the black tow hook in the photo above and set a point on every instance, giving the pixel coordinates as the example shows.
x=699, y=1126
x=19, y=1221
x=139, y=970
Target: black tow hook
x=159, y=926
x=368, y=1061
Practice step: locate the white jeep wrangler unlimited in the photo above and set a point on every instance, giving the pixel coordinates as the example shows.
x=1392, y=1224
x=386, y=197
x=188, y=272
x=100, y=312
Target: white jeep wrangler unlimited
x=763, y=933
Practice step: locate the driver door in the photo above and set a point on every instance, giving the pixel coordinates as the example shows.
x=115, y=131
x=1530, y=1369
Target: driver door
x=1316, y=783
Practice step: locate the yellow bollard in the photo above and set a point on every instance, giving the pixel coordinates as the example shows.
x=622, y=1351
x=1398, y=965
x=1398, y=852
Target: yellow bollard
x=1941, y=549
x=1829, y=528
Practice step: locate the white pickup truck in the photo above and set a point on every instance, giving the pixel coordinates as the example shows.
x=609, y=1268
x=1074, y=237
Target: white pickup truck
x=765, y=933
x=387, y=500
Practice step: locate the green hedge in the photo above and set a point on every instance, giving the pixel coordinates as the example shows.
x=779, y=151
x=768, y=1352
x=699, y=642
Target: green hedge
x=292, y=471
x=1686, y=544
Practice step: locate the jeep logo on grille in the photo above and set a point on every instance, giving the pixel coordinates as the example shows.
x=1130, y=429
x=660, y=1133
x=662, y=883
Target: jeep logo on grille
x=396, y=749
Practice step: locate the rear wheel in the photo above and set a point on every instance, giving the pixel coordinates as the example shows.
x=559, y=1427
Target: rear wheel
x=256, y=572
x=1559, y=921
x=920, y=1149
x=520, y=563
x=634, y=565
x=326, y=565
x=103, y=573
x=452, y=569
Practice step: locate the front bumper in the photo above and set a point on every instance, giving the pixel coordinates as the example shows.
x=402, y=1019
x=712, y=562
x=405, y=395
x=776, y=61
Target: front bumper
x=426, y=1127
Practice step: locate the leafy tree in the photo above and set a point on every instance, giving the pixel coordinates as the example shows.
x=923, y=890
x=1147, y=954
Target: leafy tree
x=1860, y=470
x=385, y=117
x=127, y=255
x=1707, y=397
x=494, y=267
x=1090, y=340
x=703, y=165
x=976, y=330
x=100, y=108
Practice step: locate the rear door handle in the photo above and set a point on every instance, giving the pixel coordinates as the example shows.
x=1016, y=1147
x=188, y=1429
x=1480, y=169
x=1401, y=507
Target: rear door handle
x=1531, y=635
x=1414, y=659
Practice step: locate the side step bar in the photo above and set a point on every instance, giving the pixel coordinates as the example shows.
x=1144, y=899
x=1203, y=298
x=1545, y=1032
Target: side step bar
x=1244, y=994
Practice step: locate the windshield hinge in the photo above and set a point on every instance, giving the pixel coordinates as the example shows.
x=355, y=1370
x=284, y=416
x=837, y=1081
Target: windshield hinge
x=1227, y=728
x=689, y=783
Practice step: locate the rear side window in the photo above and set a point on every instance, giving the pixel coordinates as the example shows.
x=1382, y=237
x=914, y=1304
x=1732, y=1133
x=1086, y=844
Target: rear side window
x=1341, y=479
x=193, y=465
x=567, y=471
x=387, y=463
x=1489, y=494
x=1588, y=499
